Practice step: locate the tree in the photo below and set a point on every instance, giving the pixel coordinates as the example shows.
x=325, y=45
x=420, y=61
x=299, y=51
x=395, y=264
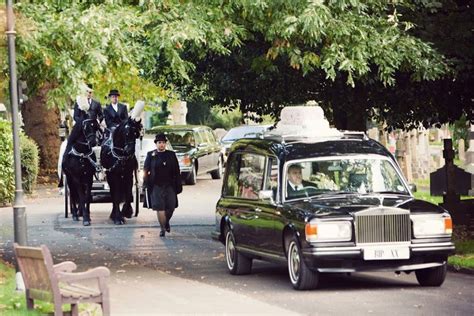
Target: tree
x=64, y=44
x=351, y=56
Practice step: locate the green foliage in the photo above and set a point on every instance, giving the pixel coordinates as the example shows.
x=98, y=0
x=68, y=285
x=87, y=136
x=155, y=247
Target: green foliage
x=7, y=182
x=222, y=118
x=29, y=162
x=459, y=130
x=198, y=112
x=257, y=55
x=161, y=117
x=425, y=195
x=69, y=44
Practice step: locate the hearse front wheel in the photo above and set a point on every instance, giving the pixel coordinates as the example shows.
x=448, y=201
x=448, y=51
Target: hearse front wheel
x=301, y=277
x=431, y=276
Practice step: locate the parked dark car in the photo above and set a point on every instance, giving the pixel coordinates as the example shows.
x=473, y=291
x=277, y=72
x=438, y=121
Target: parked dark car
x=236, y=133
x=354, y=212
x=197, y=150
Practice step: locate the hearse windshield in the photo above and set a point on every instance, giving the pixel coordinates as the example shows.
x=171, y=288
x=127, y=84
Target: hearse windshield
x=349, y=174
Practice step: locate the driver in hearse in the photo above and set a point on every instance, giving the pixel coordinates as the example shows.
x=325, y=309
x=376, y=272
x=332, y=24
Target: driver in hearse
x=296, y=185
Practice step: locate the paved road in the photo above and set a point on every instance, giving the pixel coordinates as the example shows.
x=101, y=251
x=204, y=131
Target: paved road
x=188, y=254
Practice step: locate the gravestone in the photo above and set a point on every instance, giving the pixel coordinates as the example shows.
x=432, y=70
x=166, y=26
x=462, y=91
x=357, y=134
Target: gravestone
x=373, y=133
x=178, y=111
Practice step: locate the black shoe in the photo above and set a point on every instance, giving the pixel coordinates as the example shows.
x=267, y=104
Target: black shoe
x=86, y=223
x=162, y=233
x=75, y=218
x=167, y=227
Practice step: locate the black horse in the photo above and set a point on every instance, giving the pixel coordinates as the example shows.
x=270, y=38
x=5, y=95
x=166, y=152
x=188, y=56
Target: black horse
x=117, y=156
x=79, y=166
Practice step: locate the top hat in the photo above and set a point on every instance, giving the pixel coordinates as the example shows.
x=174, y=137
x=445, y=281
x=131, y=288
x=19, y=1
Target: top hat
x=114, y=92
x=89, y=87
x=296, y=166
x=160, y=138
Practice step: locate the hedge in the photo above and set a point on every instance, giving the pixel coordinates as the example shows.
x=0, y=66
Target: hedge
x=29, y=163
x=7, y=183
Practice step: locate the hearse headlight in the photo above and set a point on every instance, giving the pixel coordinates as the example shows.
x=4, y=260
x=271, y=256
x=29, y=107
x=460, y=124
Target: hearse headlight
x=322, y=231
x=432, y=225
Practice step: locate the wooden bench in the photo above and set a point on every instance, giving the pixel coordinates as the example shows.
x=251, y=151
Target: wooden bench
x=56, y=283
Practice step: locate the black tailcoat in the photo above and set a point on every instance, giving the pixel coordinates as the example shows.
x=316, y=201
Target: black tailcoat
x=113, y=118
x=95, y=109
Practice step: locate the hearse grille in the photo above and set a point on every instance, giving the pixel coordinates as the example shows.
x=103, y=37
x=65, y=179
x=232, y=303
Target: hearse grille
x=383, y=225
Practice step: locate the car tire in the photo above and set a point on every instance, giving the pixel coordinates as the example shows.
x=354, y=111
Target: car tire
x=237, y=263
x=217, y=174
x=301, y=277
x=191, y=178
x=431, y=276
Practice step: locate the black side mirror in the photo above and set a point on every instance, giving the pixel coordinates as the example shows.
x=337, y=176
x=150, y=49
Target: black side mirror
x=412, y=187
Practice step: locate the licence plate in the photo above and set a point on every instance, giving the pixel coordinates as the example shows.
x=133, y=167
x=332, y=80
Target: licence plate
x=386, y=253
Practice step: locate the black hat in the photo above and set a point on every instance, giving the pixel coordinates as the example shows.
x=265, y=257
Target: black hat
x=296, y=166
x=90, y=87
x=160, y=138
x=114, y=92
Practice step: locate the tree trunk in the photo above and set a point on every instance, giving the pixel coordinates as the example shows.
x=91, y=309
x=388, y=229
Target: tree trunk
x=41, y=124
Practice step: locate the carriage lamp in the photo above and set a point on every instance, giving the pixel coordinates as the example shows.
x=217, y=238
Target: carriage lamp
x=432, y=225
x=324, y=231
x=62, y=131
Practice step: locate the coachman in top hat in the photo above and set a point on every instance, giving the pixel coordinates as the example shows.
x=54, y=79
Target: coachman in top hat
x=115, y=112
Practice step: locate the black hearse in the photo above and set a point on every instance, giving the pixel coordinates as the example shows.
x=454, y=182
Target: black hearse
x=353, y=212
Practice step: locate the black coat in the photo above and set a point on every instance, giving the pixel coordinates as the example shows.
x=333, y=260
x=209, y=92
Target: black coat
x=112, y=118
x=291, y=193
x=95, y=109
x=149, y=173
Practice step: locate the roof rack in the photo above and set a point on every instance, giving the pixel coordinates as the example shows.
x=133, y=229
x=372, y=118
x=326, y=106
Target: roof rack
x=355, y=135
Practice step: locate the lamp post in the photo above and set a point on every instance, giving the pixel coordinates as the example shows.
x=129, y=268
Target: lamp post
x=19, y=210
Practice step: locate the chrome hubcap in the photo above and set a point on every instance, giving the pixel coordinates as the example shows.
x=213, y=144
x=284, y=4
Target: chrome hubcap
x=294, y=262
x=230, y=250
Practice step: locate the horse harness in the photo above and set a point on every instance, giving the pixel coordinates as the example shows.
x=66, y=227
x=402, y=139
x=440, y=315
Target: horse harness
x=87, y=155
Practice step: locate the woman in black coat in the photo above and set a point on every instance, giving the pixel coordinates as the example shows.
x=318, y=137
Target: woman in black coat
x=162, y=181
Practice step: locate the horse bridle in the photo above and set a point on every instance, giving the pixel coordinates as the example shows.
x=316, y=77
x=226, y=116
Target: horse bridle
x=87, y=155
x=122, y=149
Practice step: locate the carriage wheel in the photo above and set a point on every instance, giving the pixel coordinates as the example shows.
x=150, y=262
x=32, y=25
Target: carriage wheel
x=137, y=193
x=137, y=197
x=66, y=196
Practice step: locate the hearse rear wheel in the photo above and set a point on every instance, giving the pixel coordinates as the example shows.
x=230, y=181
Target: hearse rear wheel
x=237, y=263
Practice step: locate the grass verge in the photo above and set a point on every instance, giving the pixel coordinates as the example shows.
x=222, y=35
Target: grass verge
x=464, y=241
x=13, y=303
x=463, y=238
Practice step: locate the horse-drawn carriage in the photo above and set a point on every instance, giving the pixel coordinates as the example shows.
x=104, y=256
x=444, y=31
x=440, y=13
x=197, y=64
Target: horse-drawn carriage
x=114, y=165
x=100, y=191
